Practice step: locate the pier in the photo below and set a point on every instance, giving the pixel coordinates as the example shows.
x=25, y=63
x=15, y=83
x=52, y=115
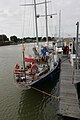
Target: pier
x=68, y=104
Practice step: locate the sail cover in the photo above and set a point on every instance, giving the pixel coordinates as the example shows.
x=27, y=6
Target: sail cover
x=30, y=59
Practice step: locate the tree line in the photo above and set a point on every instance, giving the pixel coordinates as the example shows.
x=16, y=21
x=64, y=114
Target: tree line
x=15, y=39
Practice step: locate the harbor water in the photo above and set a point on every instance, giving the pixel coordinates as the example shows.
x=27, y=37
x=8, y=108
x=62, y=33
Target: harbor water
x=23, y=104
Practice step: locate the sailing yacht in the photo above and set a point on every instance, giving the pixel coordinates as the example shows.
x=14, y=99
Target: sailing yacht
x=42, y=67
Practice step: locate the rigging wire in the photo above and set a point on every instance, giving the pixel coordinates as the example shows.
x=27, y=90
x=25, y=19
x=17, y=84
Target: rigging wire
x=41, y=21
x=23, y=26
x=41, y=27
x=50, y=20
x=33, y=28
x=33, y=22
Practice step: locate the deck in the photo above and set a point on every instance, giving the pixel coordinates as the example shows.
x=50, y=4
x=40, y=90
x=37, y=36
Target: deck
x=68, y=105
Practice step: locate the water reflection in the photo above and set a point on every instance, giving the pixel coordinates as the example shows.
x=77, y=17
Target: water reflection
x=35, y=105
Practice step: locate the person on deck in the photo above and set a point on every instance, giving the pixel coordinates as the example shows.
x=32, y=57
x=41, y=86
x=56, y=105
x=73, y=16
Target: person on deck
x=16, y=68
x=35, y=52
x=64, y=50
x=67, y=50
x=44, y=50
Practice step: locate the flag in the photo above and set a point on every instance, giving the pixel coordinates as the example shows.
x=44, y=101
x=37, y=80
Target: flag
x=30, y=60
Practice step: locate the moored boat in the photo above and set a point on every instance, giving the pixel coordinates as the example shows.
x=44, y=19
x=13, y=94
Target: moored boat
x=37, y=70
x=41, y=68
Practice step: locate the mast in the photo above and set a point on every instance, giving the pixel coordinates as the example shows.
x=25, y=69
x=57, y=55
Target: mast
x=60, y=27
x=40, y=16
x=35, y=17
x=46, y=22
x=36, y=22
x=46, y=18
x=23, y=59
x=23, y=47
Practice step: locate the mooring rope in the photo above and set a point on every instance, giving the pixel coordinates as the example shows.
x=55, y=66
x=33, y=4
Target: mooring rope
x=53, y=96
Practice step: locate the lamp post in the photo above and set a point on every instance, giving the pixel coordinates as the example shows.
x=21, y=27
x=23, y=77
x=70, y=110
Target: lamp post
x=77, y=44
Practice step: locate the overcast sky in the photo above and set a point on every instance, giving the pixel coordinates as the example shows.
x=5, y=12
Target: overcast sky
x=12, y=20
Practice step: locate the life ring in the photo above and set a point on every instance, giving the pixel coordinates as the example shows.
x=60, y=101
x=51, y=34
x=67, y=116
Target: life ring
x=34, y=69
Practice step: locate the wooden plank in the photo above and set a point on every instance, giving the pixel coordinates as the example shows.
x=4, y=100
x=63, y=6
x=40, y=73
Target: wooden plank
x=76, y=76
x=68, y=105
